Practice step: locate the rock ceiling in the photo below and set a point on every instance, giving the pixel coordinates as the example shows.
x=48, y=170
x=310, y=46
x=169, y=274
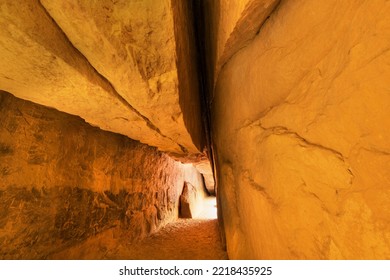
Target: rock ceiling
x=125, y=66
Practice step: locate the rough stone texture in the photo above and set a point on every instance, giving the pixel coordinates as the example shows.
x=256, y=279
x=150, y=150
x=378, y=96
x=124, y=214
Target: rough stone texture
x=175, y=241
x=187, y=72
x=63, y=181
x=187, y=198
x=145, y=50
x=191, y=201
x=204, y=167
x=39, y=64
x=300, y=121
x=136, y=58
x=120, y=55
x=230, y=25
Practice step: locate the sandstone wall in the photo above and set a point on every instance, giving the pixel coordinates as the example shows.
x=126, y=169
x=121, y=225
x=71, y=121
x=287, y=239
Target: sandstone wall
x=230, y=26
x=300, y=118
x=63, y=181
x=82, y=57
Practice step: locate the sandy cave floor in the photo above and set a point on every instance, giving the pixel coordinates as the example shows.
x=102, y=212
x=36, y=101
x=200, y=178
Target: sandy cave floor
x=184, y=239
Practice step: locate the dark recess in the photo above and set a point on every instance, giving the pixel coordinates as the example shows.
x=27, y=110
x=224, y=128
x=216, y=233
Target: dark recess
x=199, y=20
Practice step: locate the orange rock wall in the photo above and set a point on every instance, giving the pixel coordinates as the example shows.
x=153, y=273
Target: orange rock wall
x=300, y=119
x=63, y=181
x=230, y=26
x=81, y=57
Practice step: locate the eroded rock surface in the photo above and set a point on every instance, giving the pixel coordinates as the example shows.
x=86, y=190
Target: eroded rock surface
x=63, y=181
x=145, y=49
x=125, y=66
x=191, y=201
x=299, y=120
x=231, y=25
x=173, y=242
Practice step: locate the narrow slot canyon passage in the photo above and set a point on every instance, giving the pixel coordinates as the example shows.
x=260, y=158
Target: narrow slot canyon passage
x=135, y=203
x=174, y=241
x=194, y=129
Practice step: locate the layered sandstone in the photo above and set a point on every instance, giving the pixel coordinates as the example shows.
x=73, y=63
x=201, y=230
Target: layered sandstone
x=128, y=67
x=125, y=66
x=145, y=50
x=192, y=201
x=230, y=26
x=63, y=181
x=299, y=122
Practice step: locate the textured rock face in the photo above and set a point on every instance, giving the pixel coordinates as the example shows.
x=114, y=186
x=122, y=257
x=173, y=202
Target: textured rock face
x=191, y=201
x=63, y=181
x=125, y=66
x=231, y=25
x=83, y=57
x=300, y=118
x=139, y=46
x=187, y=199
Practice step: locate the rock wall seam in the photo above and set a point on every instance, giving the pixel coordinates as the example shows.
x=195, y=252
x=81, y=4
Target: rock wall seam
x=112, y=90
